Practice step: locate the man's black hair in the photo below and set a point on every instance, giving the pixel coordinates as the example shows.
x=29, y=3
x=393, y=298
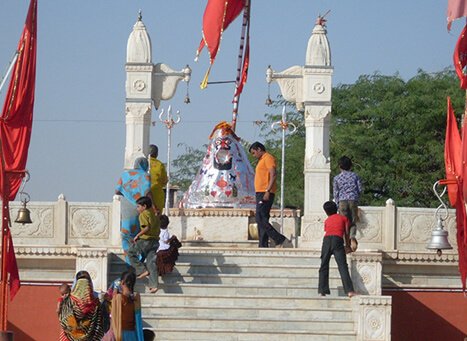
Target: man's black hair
x=257, y=145
x=345, y=163
x=330, y=207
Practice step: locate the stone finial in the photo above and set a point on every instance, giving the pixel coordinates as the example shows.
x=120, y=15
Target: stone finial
x=318, y=52
x=139, y=48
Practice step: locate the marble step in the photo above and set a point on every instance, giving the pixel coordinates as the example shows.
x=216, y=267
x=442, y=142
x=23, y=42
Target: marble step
x=250, y=324
x=159, y=299
x=165, y=334
x=280, y=312
x=257, y=256
x=245, y=279
x=195, y=270
x=239, y=290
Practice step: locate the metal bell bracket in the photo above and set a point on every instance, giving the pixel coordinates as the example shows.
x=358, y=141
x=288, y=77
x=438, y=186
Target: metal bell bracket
x=439, y=237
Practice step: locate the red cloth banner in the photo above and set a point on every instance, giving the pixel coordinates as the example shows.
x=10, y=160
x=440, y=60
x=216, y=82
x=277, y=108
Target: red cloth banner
x=455, y=156
x=452, y=153
x=456, y=9
x=16, y=119
x=218, y=15
x=460, y=58
x=16, y=126
x=12, y=268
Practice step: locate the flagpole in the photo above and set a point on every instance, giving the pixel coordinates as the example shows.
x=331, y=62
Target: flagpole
x=236, y=99
x=10, y=67
x=5, y=241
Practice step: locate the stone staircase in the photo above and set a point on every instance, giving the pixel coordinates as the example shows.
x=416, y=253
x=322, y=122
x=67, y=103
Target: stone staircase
x=245, y=294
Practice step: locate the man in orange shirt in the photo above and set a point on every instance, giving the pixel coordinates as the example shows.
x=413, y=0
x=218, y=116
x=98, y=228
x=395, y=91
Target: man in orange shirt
x=265, y=187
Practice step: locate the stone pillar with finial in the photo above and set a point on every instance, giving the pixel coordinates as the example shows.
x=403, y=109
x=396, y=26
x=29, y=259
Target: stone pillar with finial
x=309, y=87
x=146, y=84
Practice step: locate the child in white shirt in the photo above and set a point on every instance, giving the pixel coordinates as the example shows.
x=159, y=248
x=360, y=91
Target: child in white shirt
x=167, y=253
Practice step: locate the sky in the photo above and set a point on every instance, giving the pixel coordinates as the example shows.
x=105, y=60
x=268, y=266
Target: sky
x=78, y=138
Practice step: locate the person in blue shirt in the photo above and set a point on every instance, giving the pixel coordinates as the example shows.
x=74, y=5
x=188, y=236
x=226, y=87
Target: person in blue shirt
x=347, y=188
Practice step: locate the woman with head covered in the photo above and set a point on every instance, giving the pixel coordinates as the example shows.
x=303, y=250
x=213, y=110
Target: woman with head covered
x=132, y=185
x=80, y=315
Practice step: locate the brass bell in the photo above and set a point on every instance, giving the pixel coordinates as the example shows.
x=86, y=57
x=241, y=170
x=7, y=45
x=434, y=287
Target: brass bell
x=439, y=239
x=24, y=215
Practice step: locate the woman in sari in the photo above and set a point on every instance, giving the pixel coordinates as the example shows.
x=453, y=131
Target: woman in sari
x=80, y=315
x=132, y=185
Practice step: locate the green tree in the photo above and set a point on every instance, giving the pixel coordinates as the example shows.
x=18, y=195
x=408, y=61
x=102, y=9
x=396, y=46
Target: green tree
x=187, y=165
x=394, y=132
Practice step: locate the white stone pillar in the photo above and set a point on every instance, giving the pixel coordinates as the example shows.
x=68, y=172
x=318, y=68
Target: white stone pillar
x=146, y=84
x=138, y=86
x=310, y=87
x=116, y=239
x=94, y=261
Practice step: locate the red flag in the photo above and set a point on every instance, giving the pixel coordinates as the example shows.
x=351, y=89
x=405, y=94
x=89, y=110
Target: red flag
x=15, y=130
x=12, y=268
x=16, y=119
x=460, y=58
x=461, y=222
x=456, y=10
x=452, y=153
x=217, y=17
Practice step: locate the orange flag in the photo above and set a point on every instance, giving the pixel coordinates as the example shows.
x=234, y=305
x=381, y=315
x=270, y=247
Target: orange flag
x=218, y=15
x=452, y=153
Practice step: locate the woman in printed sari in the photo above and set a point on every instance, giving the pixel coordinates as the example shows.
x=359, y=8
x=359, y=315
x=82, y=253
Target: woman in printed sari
x=80, y=315
x=133, y=184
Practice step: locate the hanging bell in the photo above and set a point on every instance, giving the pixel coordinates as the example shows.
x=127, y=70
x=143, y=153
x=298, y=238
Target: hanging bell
x=24, y=215
x=187, y=99
x=439, y=239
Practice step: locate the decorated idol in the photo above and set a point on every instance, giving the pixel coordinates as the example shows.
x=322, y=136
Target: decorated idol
x=226, y=178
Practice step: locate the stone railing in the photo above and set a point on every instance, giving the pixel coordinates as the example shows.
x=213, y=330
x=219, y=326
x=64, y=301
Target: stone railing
x=386, y=235
x=95, y=224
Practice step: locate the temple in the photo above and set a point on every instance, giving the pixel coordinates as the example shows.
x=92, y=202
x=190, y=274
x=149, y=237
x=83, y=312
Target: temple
x=223, y=286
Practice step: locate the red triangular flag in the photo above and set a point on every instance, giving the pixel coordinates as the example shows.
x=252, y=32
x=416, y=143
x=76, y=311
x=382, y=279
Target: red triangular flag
x=452, y=153
x=218, y=15
x=12, y=268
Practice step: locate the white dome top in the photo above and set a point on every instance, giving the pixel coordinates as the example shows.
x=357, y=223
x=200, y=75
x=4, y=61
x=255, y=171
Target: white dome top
x=139, y=49
x=318, y=52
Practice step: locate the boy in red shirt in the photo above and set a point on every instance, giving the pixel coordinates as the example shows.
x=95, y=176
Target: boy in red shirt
x=336, y=229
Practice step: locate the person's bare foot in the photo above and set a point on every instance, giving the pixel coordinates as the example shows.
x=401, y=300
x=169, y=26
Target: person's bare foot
x=153, y=290
x=352, y=294
x=143, y=275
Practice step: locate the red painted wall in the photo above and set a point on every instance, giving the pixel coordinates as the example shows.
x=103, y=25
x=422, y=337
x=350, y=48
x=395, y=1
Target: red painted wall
x=415, y=315
x=32, y=314
x=428, y=315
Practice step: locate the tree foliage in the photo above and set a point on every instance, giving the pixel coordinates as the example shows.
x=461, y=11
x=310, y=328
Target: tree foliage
x=394, y=132
x=187, y=165
x=392, y=129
